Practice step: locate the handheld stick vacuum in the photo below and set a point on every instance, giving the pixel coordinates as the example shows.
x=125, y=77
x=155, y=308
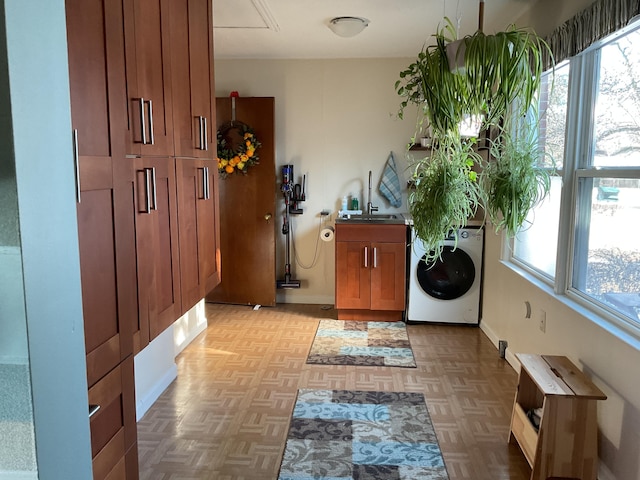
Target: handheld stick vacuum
x=288, y=192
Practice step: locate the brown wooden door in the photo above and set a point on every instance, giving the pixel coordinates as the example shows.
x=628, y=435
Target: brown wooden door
x=149, y=126
x=248, y=220
x=95, y=38
x=388, y=263
x=192, y=78
x=353, y=275
x=157, y=247
x=198, y=235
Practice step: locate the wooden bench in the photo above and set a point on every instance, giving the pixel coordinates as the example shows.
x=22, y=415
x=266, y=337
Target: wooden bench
x=565, y=444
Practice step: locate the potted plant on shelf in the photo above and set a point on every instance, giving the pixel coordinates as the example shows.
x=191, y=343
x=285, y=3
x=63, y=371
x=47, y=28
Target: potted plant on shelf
x=497, y=84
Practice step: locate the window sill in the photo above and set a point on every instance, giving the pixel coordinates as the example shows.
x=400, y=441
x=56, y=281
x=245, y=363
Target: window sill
x=612, y=324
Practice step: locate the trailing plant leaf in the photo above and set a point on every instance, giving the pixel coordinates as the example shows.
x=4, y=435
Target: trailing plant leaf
x=429, y=83
x=500, y=82
x=514, y=182
x=446, y=194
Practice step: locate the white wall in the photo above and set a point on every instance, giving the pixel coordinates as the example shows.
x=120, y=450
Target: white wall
x=335, y=121
x=611, y=363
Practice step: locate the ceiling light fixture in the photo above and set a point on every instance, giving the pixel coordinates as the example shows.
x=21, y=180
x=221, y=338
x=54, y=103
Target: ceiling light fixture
x=348, y=26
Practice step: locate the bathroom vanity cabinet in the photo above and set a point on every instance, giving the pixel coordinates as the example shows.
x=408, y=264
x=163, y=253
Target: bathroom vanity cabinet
x=370, y=271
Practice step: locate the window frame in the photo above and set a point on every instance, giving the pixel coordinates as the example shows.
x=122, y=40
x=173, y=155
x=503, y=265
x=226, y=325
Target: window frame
x=578, y=155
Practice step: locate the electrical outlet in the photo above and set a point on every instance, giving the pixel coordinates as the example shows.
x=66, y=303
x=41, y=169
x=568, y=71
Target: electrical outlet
x=542, y=321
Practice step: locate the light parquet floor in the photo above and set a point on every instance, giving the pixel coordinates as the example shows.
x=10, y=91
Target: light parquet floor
x=227, y=414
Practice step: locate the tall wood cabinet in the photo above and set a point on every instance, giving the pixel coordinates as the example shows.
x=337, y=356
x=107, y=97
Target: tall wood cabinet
x=149, y=239
x=199, y=236
x=157, y=247
x=194, y=129
x=192, y=79
x=150, y=117
x=95, y=36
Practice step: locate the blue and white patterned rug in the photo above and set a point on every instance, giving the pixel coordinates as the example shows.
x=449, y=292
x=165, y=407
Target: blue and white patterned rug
x=359, y=435
x=348, y=342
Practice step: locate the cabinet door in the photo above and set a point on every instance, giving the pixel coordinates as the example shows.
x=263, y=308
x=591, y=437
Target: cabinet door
x=113, y=424
x=198, y=240
x=353, y=275
x=192, y=78
x=157, y=247
x=149, y=129
x=95, y=39
x=388, y=282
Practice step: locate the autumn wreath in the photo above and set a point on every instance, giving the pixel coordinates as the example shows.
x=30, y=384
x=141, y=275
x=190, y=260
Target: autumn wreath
x=237, y=145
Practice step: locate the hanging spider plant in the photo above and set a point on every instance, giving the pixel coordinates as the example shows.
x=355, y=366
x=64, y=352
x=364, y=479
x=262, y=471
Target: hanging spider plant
x=499, y=82
x=502, y=71
x=446, y=194
x=514, y=181
x=429, y=83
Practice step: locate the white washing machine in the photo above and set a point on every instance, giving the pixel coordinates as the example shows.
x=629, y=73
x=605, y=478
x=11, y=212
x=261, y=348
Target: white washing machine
x=447, y=290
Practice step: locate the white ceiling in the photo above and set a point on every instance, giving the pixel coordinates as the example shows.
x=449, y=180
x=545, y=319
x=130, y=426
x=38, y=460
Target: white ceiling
x=298, y=28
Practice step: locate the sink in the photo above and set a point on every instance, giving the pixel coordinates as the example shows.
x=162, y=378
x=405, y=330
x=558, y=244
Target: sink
x=373, y=218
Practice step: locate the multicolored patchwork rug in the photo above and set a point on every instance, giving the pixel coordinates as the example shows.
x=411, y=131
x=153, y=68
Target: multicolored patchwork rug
x=341, y=435
x=348, y=342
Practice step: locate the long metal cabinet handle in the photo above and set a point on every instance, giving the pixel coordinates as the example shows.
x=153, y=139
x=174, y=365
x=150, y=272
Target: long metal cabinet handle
x=206, y=136
x=76, y=162
x=147, y=191
x=366, y=257
x=154, y=184
x=207, y=183
x=151, y=122
x=204, y=183
x=93, y=409
x=143, y=130
x=375, y=257
x=201, y=127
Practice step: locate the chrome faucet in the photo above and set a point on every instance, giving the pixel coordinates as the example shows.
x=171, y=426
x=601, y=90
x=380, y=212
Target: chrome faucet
x=370, y=207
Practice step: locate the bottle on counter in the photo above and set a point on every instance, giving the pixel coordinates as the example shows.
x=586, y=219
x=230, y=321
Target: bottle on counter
x=345, y=205
x=354, y=203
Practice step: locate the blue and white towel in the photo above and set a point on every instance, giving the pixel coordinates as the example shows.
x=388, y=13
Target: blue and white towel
x=390, y=183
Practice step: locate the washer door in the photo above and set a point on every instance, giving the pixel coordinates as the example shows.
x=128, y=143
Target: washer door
x=449, y=277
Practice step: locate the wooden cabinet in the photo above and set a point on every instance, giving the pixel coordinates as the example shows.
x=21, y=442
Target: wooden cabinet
x=95, y=38
x=192, y=78
x=157, y=247
x=113, y=424
x=120, y=71
x=199, y=234
x=149, y=126
x=370, y=271
x=565, y=443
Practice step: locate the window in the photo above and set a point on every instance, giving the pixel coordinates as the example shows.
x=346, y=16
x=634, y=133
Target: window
x=535, y=245
x=585, y=237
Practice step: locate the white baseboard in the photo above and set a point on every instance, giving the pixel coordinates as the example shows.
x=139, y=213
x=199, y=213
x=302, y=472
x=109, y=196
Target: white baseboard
x=489, y=333
x=143, y=404
x=18, y=475
x=604, y=473
x=509, y=356
x=192, y=334
x=13, y=360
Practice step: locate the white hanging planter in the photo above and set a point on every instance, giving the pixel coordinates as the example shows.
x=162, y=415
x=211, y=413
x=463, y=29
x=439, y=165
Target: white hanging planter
x=455, y=55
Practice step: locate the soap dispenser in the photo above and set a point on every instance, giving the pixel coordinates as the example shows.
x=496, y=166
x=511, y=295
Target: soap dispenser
x=345, y=206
